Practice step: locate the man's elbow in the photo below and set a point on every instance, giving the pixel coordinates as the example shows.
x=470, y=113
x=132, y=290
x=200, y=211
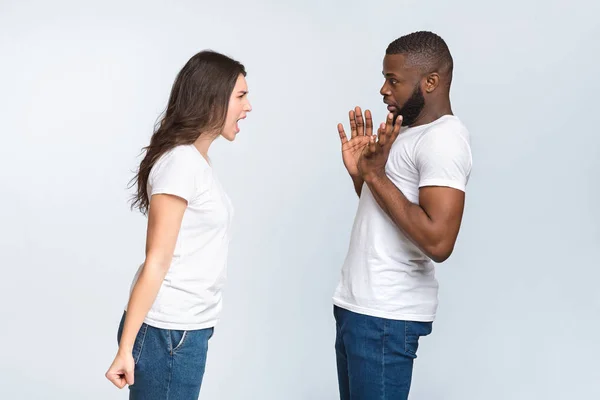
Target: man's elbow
x=440, y=252
x=440, y=258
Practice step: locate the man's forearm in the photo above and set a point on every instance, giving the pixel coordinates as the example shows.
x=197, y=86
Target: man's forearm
x=358, y=184
x=410, y=218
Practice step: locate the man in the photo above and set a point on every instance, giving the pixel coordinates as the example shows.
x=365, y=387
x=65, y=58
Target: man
x=411, y=179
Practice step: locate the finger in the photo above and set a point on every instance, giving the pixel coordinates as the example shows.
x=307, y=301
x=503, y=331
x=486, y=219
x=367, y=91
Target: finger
x=352, y=117
x=342, y=134
x=120, y=382
x=368, y=123
x=381, y=133
x=116, y=379
x=397, y=127
x=372, y=145
x=360, y=123
x=129, y=377
x=389, y=124
x=387, y=131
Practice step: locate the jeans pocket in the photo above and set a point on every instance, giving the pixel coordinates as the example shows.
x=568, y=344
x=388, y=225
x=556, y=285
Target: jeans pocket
x=412, y=332
x=139, y=342
x=177, y=339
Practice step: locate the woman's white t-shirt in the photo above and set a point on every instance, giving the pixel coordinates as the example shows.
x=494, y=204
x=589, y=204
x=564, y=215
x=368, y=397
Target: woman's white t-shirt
x=190, y=295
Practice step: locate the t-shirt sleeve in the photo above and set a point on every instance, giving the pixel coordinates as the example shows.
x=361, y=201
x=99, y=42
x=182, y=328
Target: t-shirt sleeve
x=443, y=158
x=175, y=175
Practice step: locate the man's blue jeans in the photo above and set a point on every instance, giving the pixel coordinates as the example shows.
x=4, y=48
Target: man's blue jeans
x=375, y=355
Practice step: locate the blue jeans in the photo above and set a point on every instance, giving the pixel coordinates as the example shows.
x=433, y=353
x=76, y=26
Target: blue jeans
x=169, y=364
x=375, y=355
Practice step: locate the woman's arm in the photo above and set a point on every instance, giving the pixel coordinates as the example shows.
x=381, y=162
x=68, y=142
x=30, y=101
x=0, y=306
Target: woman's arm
x=164, y=220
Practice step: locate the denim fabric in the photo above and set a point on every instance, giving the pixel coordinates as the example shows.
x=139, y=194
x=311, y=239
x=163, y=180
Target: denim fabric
x=375, y=355
x=169, y=364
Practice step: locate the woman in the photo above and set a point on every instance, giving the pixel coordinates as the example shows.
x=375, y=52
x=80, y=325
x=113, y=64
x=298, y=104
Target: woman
x=175, y=299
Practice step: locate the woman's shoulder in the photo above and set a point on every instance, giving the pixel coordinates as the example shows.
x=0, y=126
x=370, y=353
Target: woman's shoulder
x=184, y=155
x=181, y=159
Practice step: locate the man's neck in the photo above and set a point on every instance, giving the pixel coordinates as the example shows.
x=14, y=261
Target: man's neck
x=432, y=113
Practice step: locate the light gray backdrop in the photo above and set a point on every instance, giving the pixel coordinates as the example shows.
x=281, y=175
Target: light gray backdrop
x=81, y=86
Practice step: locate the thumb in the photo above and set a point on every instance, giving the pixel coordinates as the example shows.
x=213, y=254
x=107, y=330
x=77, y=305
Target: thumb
x=370, y=147
x=116, y=378
x=397, y=127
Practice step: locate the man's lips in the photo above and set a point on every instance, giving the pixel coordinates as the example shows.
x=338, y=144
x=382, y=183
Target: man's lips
x=390, y=106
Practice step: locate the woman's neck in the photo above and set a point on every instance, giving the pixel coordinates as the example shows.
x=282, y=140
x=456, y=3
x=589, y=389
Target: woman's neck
x=203, y=144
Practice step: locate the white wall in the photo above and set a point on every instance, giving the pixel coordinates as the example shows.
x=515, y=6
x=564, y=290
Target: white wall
x=82, y=85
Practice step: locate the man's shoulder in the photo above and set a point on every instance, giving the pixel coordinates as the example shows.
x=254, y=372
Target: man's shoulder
x=446, y=124
x=445, y=131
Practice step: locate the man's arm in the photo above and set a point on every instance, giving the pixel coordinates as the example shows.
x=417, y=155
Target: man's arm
x=443, y=160
x=358, y=184
x=433, y=225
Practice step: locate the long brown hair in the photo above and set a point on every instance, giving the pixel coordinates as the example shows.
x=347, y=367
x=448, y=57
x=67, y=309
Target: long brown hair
x=197, y=105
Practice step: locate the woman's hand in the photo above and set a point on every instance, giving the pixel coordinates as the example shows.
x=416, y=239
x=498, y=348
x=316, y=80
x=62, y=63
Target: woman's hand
x=121, y=370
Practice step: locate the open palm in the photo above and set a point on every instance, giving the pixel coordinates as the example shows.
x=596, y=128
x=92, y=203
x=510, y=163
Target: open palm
x=361, y=131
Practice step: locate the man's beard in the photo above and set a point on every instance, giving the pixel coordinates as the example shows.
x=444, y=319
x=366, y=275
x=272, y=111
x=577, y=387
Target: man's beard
x=412, y=108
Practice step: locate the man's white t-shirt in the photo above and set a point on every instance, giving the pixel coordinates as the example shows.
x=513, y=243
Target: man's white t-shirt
x=190, y=295
x=384, y=274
